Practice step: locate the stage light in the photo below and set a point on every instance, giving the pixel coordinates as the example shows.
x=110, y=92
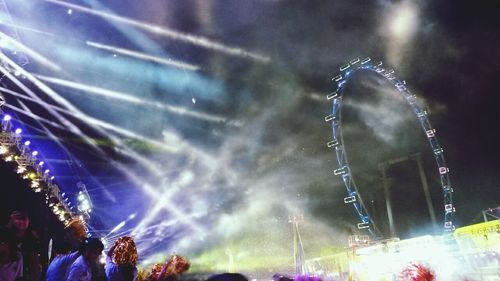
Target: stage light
x=70, y=11
x=3, y=149
x=27, y=143
x=34, y=153
x=81, y=197
x=52, y=178
x=32, y=176
x=7, y=118
x=21, y=169
x=41, y=163
x=9, y=158
x=18, y=131
x=46, y=171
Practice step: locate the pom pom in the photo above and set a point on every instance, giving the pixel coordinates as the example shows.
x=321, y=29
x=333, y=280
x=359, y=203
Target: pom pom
x=142, y=275
x=124, y=251
x=175, y=266
x=155, y=272
x=416, y=272
x=170, y=270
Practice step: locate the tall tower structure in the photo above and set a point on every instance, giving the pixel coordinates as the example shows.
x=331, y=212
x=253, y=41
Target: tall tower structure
x=298, y=248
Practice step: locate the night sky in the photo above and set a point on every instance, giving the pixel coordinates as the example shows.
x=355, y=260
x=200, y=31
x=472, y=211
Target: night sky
x=211, y=156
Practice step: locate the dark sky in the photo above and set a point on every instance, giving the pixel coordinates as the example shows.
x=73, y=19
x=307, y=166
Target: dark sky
x=212, y=154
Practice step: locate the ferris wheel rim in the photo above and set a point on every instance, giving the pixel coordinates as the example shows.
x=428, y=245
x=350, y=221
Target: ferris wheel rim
x=343, y=170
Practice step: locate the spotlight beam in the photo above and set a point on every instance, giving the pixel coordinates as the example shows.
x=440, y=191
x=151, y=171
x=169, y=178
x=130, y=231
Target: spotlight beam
x=143, y=56
x=116, y=228
x=41, y=119
x=168, y=32
x=134, y=100
x=43, y=132
x=162, y=203
x=34, y=116
x=73, y=111
x=73, y=128
x=60, y=144
x=99, y=125
x=16, y=26
x=36, y=56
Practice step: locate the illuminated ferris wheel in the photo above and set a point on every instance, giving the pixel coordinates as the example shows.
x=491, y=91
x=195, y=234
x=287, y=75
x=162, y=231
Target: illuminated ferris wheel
x=343, y=170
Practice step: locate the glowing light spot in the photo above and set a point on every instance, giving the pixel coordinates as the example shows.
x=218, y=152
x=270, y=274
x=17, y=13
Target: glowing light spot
x=404, y=22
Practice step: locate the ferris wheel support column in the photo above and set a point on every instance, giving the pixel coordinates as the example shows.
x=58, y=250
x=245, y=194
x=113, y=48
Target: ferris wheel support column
x=388, y=205
x=425, y=187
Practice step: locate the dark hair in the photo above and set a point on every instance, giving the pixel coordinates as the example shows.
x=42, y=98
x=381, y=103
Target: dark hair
x=228, y=277
x=91, y=244
x=19, y=212
x=127, y=272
